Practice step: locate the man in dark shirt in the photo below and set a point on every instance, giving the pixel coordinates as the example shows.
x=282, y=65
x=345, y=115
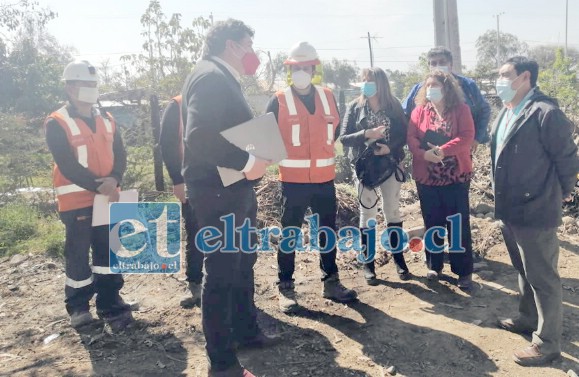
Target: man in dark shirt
x=534, y=167
x=89, y=158
x=171, y=141
x=213, y=102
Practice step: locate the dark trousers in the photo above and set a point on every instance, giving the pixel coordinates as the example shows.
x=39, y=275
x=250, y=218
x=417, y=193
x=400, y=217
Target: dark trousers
x=227, y=306
x=534, y=253
x=82, y=281
x=296, y=198
x=437, y=203
x=193, y=256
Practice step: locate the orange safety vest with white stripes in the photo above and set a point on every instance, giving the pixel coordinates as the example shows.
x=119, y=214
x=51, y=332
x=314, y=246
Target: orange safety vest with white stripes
x=179, y=100
x=93, y=151
x=308, y=138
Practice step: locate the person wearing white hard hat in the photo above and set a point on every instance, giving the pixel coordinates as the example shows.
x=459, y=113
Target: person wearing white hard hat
x=308, y=119
x=89, y=159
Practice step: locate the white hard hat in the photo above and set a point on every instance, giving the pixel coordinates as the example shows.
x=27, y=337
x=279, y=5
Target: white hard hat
x=80, y=70
x=303, y=53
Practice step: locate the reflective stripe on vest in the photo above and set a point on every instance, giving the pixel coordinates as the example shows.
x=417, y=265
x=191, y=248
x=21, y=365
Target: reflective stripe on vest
x=91, y=148
x=309, y=138
x=324, y=100
x=70, y=123
x=291, y=105
x=326, y=105
x=322, y=162
x=296, y=135
x=287, y=163
x=68, y=189
x=82, y=153
x=325, y=162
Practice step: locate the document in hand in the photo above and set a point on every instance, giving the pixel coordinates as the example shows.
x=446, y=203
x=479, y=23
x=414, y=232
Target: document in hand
x=100, y=208
x=260, y=137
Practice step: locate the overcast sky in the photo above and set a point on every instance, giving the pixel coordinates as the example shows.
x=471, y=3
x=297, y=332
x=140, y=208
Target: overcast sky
x=104, y=29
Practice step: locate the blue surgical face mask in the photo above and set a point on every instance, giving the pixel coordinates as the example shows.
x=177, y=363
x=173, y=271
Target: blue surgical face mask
x=433, y=94
x=369, y=89
x=505, y=89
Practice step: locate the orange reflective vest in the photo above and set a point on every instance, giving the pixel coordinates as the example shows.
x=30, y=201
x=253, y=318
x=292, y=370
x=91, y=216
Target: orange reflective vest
x=93, y=151
x=308, y=138
x=179, y=100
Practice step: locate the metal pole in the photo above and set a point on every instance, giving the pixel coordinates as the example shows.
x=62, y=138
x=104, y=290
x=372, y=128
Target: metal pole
x=498, y=43
x=371, y=53
x=566, y=24
x=498, y=40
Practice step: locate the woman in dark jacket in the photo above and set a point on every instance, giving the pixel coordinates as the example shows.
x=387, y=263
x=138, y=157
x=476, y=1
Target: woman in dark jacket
x=440, y=133
x=376, y=119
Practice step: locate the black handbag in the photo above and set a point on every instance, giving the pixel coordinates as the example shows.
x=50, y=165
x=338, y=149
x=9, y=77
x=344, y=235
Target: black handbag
x=373, y=170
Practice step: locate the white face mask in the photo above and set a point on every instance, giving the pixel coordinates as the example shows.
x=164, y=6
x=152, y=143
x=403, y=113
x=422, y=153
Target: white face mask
x=301, y=79
x=88, y=95
x=434, y=94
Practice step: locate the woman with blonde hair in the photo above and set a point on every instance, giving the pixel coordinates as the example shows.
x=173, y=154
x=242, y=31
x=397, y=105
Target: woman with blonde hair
x=440, y=133
x=376, y=120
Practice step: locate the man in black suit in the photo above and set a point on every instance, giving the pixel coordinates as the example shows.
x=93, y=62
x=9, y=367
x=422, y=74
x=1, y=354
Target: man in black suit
x=213, y=102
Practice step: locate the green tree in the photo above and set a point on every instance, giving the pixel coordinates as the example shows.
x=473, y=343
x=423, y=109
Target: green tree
x=485, y=71
x=340, y=73
x=546, y=55
x=13, y=15
x=486, y=46
x=31, y=60
x=560, y=82
x=169, y=51
x=276, y=70
x=402, y=82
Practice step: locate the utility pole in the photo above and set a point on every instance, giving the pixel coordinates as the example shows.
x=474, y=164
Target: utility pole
x=566, y=24
x=446, y=31
x=370, y=37
x=498, y=39
x=371, y=52
x=370, y=47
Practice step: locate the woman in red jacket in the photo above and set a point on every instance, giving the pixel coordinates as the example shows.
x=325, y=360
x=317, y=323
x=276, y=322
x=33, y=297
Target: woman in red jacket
x=440, y=133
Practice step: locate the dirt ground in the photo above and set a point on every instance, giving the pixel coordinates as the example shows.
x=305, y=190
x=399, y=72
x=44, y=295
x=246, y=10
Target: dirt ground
x=420, y=328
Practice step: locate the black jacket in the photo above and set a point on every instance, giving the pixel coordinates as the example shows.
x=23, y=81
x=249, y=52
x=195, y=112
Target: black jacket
x=355, y=123
x=537, y=165
x=212, y=102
